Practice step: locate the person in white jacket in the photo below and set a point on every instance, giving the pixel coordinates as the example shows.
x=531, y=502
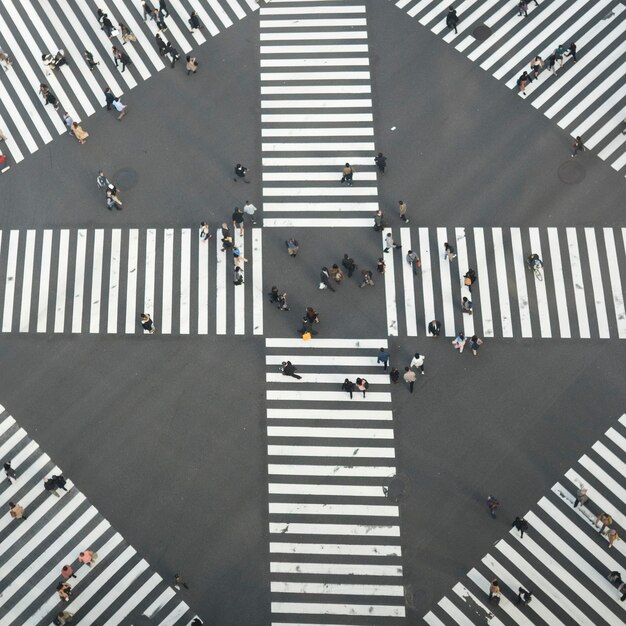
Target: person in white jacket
x=418, y=361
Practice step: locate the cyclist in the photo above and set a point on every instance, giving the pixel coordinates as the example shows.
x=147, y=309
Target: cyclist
x=534, y=261
x=493, y=504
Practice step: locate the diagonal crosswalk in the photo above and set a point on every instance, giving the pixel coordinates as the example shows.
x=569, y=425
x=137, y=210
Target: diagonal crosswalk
x=587, y=97
x=316, y=114
x=101, y=280
x=334, y=536
x=30, y=28
x=563, y=558
x=581, y=294
x=119, y=586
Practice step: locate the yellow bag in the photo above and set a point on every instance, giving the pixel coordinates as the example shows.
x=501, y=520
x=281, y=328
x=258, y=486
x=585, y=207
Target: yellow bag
x=306, y=336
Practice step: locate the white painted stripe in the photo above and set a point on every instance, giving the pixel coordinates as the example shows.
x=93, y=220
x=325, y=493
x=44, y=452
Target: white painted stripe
x=579, y=287
x=390, y=289
x=357, y=510
x=619, y=163
x=338, y=609
x=308, y=489
x=27, y=280
x=59, y=311
x=139, y=596
x=454, y=613
x=503, y=286
x=9, y=290
x=357, y=530
x=427, y=278
x=446, y=288
x=326, y=396
x=205, y=18
x=240, y=292
x=6, y=423
x=131, y=280
x=114, y=280
x=289, y=342
x=314, y=35
x=185, y=280
x=44, y=281
x=79, y=280
x=432, y=620
x=216, y=6
x=310, y=377
x=322, y=103
x=616, y=438
x=203, y=287
x=329, y=414
x=606, y=480
x=326, y=432
x=317, y=222
x=361, y=452
x=319, y=62
x=540, y=288
x=310, y=176
x=471, y=600
x=609, y=127
x=559, y=283
x=519, y=265
x=301, y=207
x=315, y=49
x=257, y=281
x=269, y=90
x=335, y=549
x=335, y=471
x=168, y=269
x=318, y=118
x=463, y=262
x=335, y=569
x=366, y=361
x=328, y=131
x=596, y=283
x=336, y=588
x=298, y=76
x=483, y=284
x=159, y=603
x=313, y=23
x=96, y=281
x=308, y=146
x=612, y=146
x=325, y=10
x=220, y=286
x=148, y=296
x=238, y=11
x=409, y=286
x=177, y=613
x=609, y=457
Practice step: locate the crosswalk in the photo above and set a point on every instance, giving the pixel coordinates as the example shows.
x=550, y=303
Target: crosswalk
x=316, y=114
x=335, y=550
x=118, y=587
x=563, y=558
x=581, y=294
x=587, y=98
x=30, y=28
x=101, y=280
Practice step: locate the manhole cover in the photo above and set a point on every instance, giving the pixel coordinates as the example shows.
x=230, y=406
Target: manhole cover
x=481, y=32
x=414, y=598
x=125, y=178
x=571, y=172
x=397, y=489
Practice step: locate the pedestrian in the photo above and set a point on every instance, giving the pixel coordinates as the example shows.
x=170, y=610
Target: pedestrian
x=48, y=96
x=494, y=592
x=394, y=375
x=64, y=591
x=578, y=146
x=402, y=208
x=409, y=377
x=162, y=46
x=434, y=328
x=379, y=222
x=67, y=572
x=109, y=98
x=205, y=233
x=119, y=56
x=581, y=497
x=310, y=318
x=173, y=53
x=194, y=21
x=292, y=247
x=418, y=361
x=552, y=63
x=536, y=66
x=106, y=24
x=381, y=162
x=6, y=60
x=452, y=19
x=179, y=582
x=120, y=107
x=362, y=385
x=88, y=557
x=571, y=51
x=560, y=53
x=522, y=81
x=240, y=172
x=63, y=617
x=349, y=264
x=147, y=324
x=475, y=344
x=469, y=278
x=238, y=220
x=159, y=18
x=383, y=357
x=524, y=596
x=51, y=486
x=449, y=250
x=9, y=471
x=238, y=259
x=612, y=536
x=348, y=386
x=325, y=279
x=466, y=305
x=413, y=260
x=148, y=11
x=389, y=243
x=127, y=34
x=367, y=280
x=493, y=503
x=68, y=121
x=459, y=341
x=288, y=369
x=348, y=172
x=273, y=294
x=59, y=481
x=16, y=511
x=227, y=239
x=521, y=524
x=91, y=62
x=196, y=621
x=192, y=64
x=237, y=276
x=113, y=202
x=163, y=8
x=615, y=578
x=250, y=209
x=605, y=520
x=282, y=302
x=336, y=273
x=381, y=266
x=523, y=8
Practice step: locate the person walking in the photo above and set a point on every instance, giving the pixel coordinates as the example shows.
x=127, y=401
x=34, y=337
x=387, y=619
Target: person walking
x=362, y=385
x=16, y=511
x=91, y=62
x=466, y=305
x=379, y=222
x=578, y=146
x=475, y=344
x=50, y=485
x=163, y=8
x=524, y=596
x=237, y=276
x=389, y=243
x=402, y=208
x=109, y=97
x=418, y=361
x=381, y=266
x=88, y=557
x=612, y=536
x=383, y=357
x=571, y=51
x=469, y=278
x=240, y=172
x=348, y=172
x=119, y=56
x=521, y=524
x=367, y=279
x=522, y=81
x=493, y=504
x=205, y=233
x=434, y=328
x=394, y=375
x=523, y=8
x=605, y=520
x=289, y=369
x=292, y=247
x=452, y=20
x=536, y=65
x=581, y=497
x=9, y=472
x=325, y=279
x=48, y=96
x=173, y=53
x=159, y=18
x=310, y=318
x=179, y=582
x=113, y=202
x=349, y=264
x=282, y=302
x=65, y=591
x=161, y=45
x=560, y=53
x=449, y=250
x=238, y=220
x=227, y=239
x=336, y=274
x=120, y=107
x=67, y=572
x=127, y=34
x=147, y=324
x=68, y=121
x=194, y=22
x=191, y=64
x=413, y=260
x=409, y=377
x=552, y=63
x=459, y=341
x=494, y=592
x=63, y=617
x=348, y=386
x=148, y=11
x=250, y=209
x=381, y=162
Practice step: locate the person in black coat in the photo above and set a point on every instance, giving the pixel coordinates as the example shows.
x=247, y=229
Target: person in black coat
x=452, y=19
x=289, y=369
x=348, y=386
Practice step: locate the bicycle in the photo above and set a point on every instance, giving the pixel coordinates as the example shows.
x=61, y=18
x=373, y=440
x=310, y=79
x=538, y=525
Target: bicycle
x=538, y=273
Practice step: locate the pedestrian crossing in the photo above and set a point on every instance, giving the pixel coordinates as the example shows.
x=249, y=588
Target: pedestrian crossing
x=335, y=550
x=119, y=586
x=587, y=97
x=581, y=294
x=31, y=28
x=563, y=558
x=101, y=280
x=316, y=114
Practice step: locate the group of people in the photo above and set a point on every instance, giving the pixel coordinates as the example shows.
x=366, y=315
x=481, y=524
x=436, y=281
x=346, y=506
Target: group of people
x=537, y=64
x=111, y=191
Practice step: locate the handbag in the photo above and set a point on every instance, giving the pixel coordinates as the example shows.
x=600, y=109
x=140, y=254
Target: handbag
x=468, y=281
x=306, y=336
x=322, y=286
